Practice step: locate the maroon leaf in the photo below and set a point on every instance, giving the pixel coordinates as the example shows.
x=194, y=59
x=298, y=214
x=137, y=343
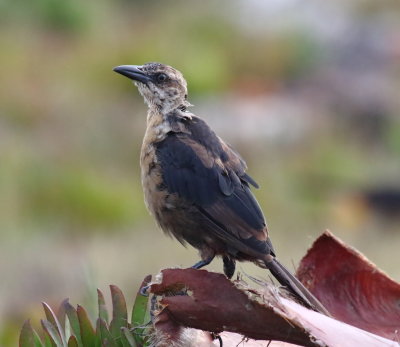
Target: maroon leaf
x=216, y=304
x=353, y=289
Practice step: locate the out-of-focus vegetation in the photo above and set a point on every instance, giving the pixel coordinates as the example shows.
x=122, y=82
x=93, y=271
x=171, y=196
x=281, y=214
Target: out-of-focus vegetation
x=307, y=92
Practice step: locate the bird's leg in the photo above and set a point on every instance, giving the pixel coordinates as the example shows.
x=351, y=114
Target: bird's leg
x=203, y=262
x=229, y=266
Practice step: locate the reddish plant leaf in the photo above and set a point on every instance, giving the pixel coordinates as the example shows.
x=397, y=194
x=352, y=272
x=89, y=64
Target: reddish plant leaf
x=216, y=304
x=120, y=313
x=353, y=289
x=72, y=341
x=208, y=310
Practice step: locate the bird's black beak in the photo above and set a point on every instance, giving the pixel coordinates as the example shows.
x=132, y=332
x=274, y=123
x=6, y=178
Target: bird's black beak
x=134, y=72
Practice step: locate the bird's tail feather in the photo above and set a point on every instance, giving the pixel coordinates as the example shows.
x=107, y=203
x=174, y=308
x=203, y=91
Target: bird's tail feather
x=288, y=280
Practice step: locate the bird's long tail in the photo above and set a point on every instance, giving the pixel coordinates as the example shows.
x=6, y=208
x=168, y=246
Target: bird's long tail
x=288, y=280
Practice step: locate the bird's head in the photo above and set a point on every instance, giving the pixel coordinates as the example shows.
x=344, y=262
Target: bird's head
x=161, y=85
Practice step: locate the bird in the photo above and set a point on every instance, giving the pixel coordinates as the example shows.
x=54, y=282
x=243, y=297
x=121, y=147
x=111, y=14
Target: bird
x=195, y=184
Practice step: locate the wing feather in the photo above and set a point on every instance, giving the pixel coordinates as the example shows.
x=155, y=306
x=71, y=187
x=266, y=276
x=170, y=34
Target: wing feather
x=218, y=188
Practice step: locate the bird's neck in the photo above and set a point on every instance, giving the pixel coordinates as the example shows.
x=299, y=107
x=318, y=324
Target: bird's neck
x=157, y=125
x=155, y=116
x=160, y=123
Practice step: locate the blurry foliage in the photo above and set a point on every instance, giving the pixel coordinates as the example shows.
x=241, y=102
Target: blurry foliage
x=67, y=17
x=63, y=16
x=277, y=58
x=393, y=138
x=80, y=198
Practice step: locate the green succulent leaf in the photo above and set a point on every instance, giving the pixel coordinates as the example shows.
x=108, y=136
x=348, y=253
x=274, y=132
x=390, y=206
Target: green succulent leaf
x=127, y=338
x=86, y=328
x=108, y=343
x=28, y=337
x=52, y=333
x=140, y=306
x=97, y=342
x=120, y=313
x=105, y=333
x=73, y=321
x=52, y=318
x=103, y=313
x=48, y=342
x=140, y=312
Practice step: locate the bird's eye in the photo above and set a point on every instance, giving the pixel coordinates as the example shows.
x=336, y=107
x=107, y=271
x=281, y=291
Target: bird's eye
x=162, y=77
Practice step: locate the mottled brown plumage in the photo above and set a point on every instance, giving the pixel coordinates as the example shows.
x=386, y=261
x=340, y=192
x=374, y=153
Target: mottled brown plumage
x=196, y=186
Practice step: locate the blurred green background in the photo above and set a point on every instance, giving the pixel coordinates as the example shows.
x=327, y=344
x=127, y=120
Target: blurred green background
x=307, y=92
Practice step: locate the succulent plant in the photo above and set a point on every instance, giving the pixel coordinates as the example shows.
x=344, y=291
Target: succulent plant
x=71, y=327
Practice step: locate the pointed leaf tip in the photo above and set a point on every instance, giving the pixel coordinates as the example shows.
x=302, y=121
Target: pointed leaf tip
x=52, y=318
x=103, y=313
x=72, y=341
x=119, y=303
x=27, y=335
x=120, y=313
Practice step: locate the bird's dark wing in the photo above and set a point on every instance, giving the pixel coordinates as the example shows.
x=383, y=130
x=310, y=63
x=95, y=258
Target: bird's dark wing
x=199, y=167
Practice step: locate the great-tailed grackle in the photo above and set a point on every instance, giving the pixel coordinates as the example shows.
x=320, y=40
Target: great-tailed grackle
x=196, y=186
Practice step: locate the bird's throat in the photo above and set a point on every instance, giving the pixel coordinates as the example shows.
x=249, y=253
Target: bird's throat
x=158, y=125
